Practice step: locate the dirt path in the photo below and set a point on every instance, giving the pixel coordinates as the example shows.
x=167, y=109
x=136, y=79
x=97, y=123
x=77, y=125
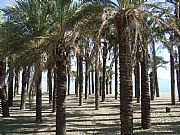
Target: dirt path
x=85, y=120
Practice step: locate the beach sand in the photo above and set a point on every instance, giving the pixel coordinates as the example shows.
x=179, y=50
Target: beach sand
x=85, y=120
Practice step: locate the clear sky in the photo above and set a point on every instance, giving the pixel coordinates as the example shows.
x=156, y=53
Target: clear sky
x=3, y=3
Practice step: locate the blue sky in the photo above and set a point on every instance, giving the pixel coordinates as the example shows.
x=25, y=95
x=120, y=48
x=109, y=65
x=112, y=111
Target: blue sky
x=3, y=3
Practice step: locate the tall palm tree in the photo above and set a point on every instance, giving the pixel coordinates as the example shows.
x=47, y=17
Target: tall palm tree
x=145, y=97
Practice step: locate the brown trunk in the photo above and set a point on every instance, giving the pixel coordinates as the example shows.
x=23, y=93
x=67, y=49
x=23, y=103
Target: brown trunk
x=86, y=80
x=125, y=68
x=137, y=81
x=178, y=82
x=10, y=84
x=107, y=85
x=145, y=97
x=172, y=79
x=116, y=70
x=152, y=90
x=104, y=71
x=54, y=90
x=17, y=80
x=49, y=84
x=23, y=92
x=77, y=77
x=156, y=84
x=80, y=79
x=97, y=75
x=110, y=87
x=61, y=82
x=4, y=101
x=38, y=95
x=92, y=80
x=89, y=83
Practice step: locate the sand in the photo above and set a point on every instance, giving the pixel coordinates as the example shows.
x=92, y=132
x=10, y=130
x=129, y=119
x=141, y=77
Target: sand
x=85, y=120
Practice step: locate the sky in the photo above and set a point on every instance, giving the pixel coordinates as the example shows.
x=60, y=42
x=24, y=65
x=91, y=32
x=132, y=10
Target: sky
x=163, y=74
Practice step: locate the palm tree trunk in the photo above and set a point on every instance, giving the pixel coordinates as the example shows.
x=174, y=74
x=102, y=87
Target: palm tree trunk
x=80, y=80
x=107, y=85
x=92, y=80
x=17, y=80
x=137, y=81
x=54, y=91
x=172, y=79
x=156, y=84
x=86, y=80
x=10, y=86
x=23, y=92
x=152, y=91
x=61, y=82
x=4, y=101
x=116, y=70
x=89, y=83
x=97, y=75
x=68, y=76
x=77, y=77
x=145, y=97
x=69, y=83
x=38, y=95
x=125, y=64
x=110, y=86
x=49, y=84
x=178, y=82
x=100, y=85
x=28, y=78
x=104, y=71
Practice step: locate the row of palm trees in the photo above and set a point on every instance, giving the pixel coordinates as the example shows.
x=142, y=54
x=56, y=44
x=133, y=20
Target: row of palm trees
x=39, y=35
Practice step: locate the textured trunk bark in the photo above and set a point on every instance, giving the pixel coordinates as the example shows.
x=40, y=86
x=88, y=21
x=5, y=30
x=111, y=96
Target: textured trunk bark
x=116, y=71
x=104, y=71
x=172, y=79
x=5, y=106
x=107, y=85
x=69, y=84
x=92, y=80
x=137, y=81
x=23, y=92
x=77, y=77
x=152, y=90
x=86, y=80
x=54, y=90
x=68, y=76
x=10, y=86
x=38, y=95
x=49, y=84
x=100, y=85
x=110, y=87
x=17, y=80
x=156, y=84
x=61, y=79
x=89, y=83
x=80, y=81
x=4, y=101
x=145, y=97
x=125, y=68
x=97, y=75
x=178, y=82
x=28, y=79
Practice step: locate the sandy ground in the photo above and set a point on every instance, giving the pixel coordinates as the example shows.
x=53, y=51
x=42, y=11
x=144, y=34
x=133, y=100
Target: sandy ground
x=85, y=120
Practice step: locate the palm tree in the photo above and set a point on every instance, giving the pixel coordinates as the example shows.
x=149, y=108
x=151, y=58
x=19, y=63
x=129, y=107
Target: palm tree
x=3, y=93
x=145, y=97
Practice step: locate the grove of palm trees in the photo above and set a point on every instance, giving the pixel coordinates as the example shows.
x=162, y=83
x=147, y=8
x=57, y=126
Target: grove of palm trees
x=101, y=62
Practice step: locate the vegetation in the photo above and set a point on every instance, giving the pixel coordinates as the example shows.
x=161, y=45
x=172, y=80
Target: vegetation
x=39, y=36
